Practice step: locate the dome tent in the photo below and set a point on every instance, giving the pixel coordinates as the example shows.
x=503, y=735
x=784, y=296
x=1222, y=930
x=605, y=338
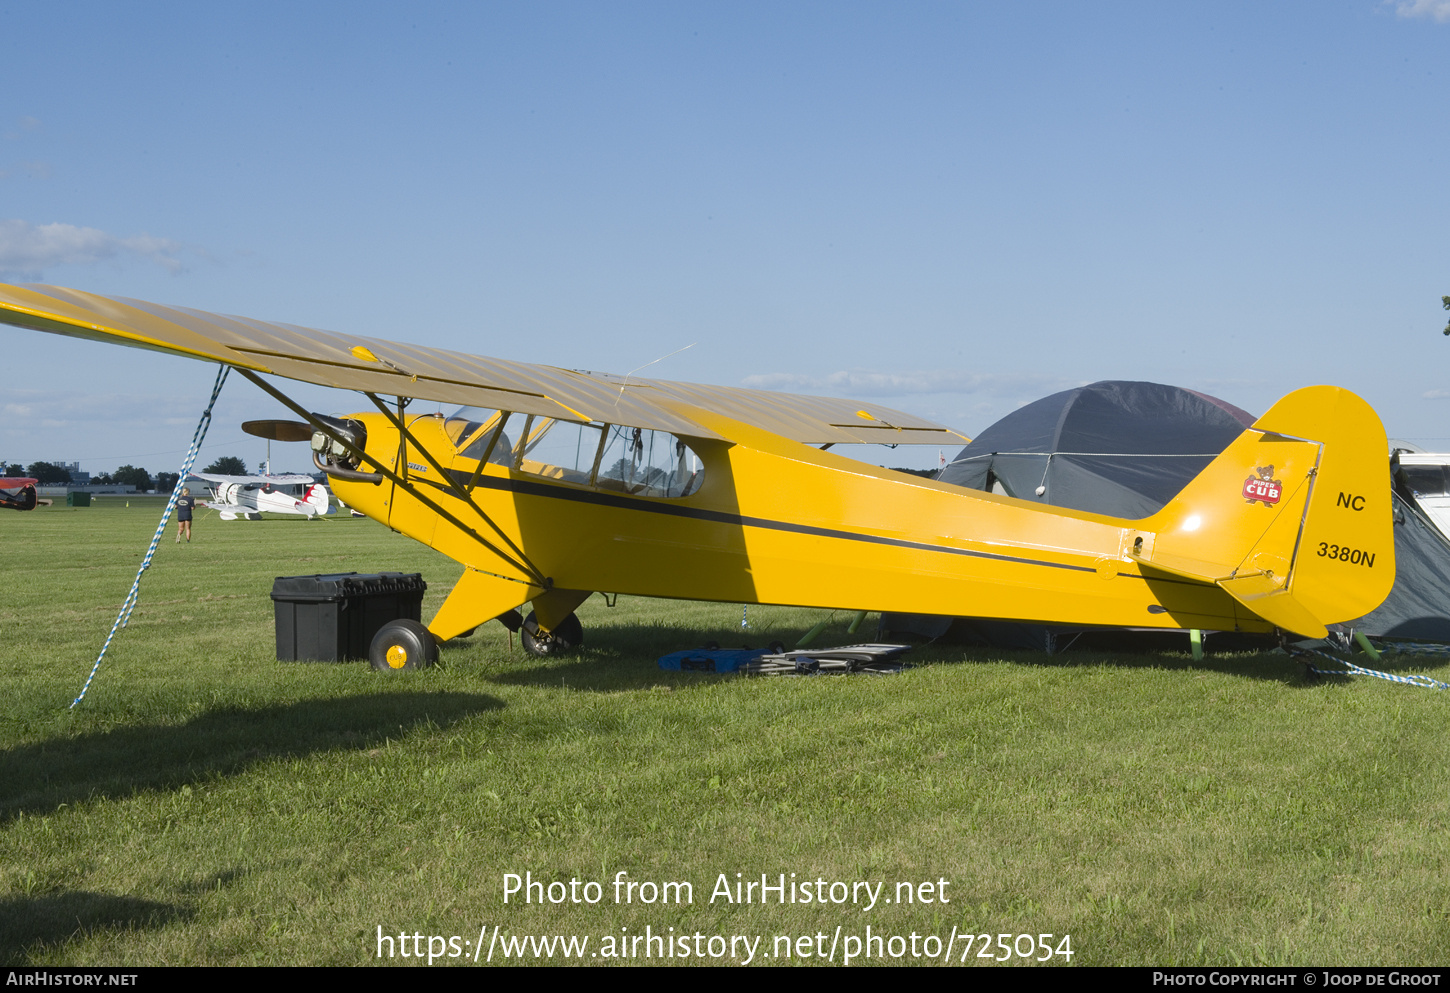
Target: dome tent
x=1118, y=448
x=1418, y=607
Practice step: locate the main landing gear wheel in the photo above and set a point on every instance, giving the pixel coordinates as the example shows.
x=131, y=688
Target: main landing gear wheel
x=403, y=644
x=565, y=638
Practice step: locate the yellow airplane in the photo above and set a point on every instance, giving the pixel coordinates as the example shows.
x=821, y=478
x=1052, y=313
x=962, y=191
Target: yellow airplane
x=551, y=484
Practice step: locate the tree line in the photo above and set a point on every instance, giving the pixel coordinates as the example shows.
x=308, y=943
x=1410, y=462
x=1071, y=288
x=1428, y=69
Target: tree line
x=49, y=474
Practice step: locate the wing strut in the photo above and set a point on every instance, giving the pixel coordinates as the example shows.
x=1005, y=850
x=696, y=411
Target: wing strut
x=536, y=577
x=465, y=494
x=503, y=418
x=403, y=438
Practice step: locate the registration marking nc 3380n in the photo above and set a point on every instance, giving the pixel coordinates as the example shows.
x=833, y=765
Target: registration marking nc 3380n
x=1343, y=553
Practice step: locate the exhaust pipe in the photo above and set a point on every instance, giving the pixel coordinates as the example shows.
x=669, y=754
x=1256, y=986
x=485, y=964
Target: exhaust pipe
x=332, y=456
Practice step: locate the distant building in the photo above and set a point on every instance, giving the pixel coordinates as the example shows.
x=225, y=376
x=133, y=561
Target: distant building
x=77, y=476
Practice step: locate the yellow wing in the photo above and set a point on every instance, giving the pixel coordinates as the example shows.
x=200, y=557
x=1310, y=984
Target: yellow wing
x=353, y=362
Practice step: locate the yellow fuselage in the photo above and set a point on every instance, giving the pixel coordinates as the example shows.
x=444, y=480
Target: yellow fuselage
x=780, y=522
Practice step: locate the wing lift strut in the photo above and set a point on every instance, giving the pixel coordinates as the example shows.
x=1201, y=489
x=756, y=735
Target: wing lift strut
x=517, y=560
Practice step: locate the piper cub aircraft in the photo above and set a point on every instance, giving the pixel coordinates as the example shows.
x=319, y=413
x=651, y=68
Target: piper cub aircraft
x=550, y=484
x=248, y=497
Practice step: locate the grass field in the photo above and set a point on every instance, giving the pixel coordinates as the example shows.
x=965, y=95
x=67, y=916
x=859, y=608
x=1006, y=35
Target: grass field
x=207, y=804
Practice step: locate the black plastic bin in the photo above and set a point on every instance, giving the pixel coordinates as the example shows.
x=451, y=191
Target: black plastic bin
x=333, y=617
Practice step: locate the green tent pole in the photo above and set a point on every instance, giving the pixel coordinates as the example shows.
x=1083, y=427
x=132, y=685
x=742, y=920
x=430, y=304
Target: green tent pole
x=1369, y=649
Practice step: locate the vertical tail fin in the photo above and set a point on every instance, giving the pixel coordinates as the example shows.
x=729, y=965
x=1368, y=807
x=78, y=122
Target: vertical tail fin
x=317, y=497
x=1294, y=519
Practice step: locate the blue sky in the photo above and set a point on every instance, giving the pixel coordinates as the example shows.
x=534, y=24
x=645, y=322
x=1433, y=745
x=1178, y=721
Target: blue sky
x=950, y=208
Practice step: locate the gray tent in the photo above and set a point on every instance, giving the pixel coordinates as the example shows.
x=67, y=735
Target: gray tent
x=1118, y=448
x=1418, y=607
x=1125, y=449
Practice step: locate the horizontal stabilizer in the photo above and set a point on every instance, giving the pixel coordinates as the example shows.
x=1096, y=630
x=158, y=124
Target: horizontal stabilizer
x=1262, y=595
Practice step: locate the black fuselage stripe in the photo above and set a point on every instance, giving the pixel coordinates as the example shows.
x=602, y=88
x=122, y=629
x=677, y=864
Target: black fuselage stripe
x=621, y=502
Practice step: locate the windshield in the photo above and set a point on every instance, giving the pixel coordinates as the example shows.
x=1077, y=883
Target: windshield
x=471, y=429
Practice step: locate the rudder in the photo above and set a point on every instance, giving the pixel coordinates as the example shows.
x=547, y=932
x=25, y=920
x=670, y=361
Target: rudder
x=1294, y=519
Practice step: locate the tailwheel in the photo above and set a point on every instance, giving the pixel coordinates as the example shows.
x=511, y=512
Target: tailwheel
x=403, y=644
x=565, y=638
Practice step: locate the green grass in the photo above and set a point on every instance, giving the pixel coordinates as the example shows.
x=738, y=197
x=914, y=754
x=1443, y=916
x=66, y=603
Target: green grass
x=207, y=804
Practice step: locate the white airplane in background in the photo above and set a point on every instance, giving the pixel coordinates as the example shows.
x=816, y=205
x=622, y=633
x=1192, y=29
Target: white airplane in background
x=248, y=497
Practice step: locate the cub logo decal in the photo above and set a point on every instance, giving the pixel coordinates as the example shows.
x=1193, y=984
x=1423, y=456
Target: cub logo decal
x=1263, y=488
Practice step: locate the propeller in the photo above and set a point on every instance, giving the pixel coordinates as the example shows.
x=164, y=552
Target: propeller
x=279, y=430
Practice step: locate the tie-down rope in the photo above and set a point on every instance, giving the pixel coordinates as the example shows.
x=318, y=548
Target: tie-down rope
x=124, y=617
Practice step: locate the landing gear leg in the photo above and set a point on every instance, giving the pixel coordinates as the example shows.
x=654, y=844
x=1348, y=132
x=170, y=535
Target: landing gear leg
x=566, y=637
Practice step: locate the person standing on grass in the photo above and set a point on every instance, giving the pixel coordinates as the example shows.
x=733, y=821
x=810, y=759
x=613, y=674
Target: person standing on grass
x=184, y=503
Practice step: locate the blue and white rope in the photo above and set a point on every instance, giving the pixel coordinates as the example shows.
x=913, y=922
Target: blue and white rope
x=1416, y=648
x=1425, y=682
x=124, y=617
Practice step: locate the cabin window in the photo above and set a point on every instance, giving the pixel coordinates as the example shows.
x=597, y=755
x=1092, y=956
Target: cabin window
x=630, y=460
x=647, y=463
x=556, y=449
x=605, y=456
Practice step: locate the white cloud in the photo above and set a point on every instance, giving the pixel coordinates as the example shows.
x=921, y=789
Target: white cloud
x=1438, y=10
x=895, y=384
x=1436, y=394
x=26, y=249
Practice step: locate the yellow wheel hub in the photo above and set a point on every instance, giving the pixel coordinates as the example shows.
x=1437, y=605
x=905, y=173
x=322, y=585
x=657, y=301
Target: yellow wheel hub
x=397, y=657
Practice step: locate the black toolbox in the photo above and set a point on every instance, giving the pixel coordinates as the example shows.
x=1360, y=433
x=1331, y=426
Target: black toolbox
x=332, y=617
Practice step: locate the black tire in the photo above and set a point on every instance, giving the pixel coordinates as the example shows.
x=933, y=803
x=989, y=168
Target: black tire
x=564, y=639
x=403, y=644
